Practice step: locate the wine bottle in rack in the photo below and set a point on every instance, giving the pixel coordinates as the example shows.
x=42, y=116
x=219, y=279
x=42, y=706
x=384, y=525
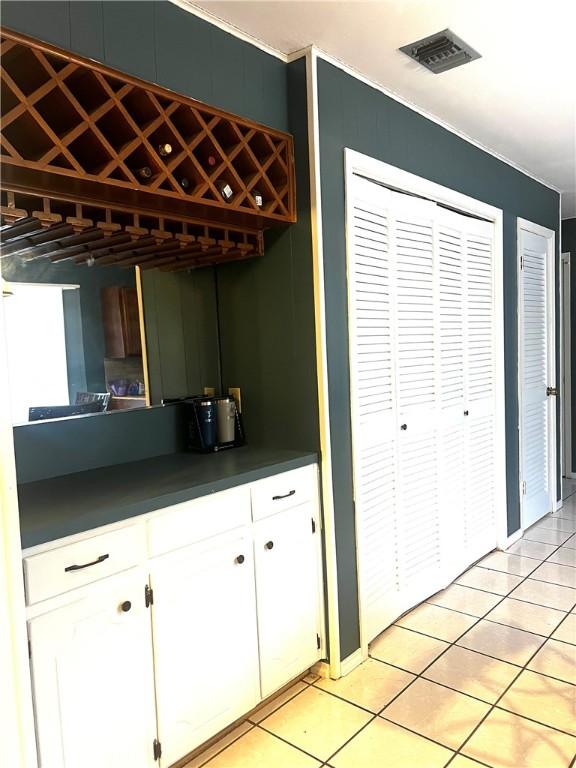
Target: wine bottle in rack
x=143, y=173
x=257, y=197
x=164, y=149
x=185, y=183
x=225, y=190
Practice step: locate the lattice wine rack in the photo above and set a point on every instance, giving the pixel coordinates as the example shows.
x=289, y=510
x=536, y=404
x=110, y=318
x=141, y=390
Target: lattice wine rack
x=77, y=128
x=35, y=227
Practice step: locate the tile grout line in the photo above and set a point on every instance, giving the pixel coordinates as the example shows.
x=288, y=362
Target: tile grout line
x=492, y=706
x=522, y=669
x=450, y=645
x=453, y=643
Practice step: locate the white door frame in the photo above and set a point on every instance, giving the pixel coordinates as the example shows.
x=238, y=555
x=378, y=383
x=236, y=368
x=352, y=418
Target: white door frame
x=16, y=717
x=550, y=236
x=357, y=163
x=566, y=367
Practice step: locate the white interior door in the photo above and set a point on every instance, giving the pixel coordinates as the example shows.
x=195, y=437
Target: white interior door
x=536, y=371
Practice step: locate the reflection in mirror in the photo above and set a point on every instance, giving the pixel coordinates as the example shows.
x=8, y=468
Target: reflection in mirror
x=73, y=338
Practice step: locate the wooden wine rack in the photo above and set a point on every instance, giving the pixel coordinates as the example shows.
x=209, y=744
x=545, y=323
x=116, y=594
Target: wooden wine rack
x=63, y=230
x=73, y=127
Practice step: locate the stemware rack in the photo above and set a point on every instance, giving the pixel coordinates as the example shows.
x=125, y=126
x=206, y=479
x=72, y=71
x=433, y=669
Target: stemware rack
x=34, y=227
x=74, y=128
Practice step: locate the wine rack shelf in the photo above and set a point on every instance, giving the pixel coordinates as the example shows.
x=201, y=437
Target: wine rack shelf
x=34, y=227
x=72, y=126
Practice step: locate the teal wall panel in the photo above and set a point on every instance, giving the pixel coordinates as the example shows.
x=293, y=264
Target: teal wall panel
x=266, y=305
x=180, y=317
x=354, y=115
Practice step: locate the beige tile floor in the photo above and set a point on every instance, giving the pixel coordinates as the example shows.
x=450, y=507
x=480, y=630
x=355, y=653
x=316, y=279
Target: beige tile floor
x=481, y=674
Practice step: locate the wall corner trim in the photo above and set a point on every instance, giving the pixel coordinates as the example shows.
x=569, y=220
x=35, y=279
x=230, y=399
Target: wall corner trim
x=322, y=366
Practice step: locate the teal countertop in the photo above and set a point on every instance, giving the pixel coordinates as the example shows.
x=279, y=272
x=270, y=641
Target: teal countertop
x=69, y=504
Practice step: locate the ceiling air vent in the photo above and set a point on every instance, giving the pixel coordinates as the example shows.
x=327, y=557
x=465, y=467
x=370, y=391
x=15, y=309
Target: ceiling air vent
x=440, y=52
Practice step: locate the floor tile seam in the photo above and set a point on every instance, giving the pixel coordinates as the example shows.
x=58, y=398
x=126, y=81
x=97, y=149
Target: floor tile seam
x=521, y=629
x=278, y=707
x=539, y=605
x=295, y=746
x=416, y=733
x=511, y=573
x=455, y=610
x=537, y=541
x=544, y=581
x=566, y=565
x=557, y=528
x=482, y=618
x=472, y=759
x=354, y=735
x=487, y=592
x=494, y=706
x=396, y=695
x=550, y=677
x=209, y=760
x=538, y=722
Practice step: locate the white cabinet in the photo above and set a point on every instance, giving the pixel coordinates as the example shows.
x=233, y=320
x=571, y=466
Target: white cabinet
x=93, y=687
x=214, y=605
x=285, y=552
x=205, y=641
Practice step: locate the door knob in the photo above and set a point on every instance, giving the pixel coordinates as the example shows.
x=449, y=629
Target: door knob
x=404, y=426
x=240, y=559
x=269, y=545
x=125, y=606
x=551, y=391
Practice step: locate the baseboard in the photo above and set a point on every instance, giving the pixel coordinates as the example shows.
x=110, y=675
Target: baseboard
x=512, y=539
x=322, y=669
x=558, y=504
x=351, y=662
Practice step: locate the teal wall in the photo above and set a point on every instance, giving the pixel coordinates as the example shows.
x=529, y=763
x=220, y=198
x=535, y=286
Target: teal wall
x=569, y=246
x=181, y=322
x=352, y=114
x=265, y=305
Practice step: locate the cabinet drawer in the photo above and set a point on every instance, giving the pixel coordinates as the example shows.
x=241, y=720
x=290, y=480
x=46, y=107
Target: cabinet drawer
x=279, y=492
x=82, y=562
x=199, y=519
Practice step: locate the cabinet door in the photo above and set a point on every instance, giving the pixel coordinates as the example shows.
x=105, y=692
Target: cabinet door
x=205, y=642
x=93, y=679
x=286, y=557
x=121, y=321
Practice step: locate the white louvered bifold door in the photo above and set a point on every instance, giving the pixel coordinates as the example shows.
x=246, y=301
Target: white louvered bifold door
x=480, y=391
x=416, y=350
x=372, y=398
x=422, y=368
x=535, y=404
x=451, y=268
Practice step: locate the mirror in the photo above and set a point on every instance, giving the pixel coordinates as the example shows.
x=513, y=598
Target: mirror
x=73, y=339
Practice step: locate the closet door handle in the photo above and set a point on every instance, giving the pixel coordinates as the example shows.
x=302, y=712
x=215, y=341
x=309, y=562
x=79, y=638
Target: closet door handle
x=87, y=565
x=404, y=427
x=125, y=606
x=466, y=413
x=240, y=559
x=269, y=545
x=285, y=496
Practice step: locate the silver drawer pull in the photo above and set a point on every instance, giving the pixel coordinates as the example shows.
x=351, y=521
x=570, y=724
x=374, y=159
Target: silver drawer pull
x=277, y=498
x=87, y=565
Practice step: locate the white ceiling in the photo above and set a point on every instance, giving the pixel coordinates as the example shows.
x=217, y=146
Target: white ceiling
x=518, y=100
